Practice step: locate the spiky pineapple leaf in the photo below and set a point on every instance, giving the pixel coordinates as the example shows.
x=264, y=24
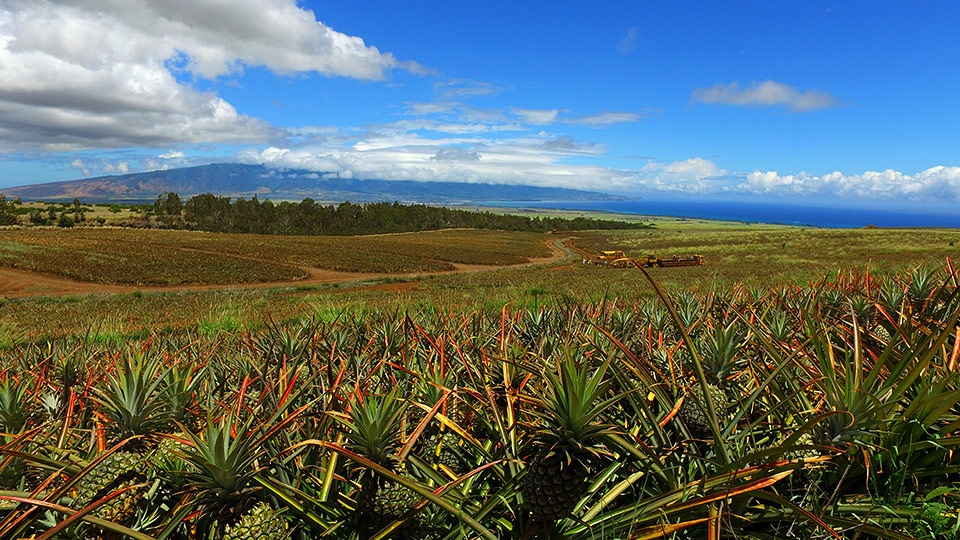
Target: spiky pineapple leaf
x=78, y=515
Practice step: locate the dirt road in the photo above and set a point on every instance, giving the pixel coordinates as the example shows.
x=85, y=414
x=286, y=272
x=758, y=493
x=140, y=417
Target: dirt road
x=19, y=283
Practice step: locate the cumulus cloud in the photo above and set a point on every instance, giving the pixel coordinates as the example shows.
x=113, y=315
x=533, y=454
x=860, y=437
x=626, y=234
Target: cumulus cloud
x=110, y=75
x=934, y=184
x=172, y=154
x=765, y=94
x=101, y=166
x=79, y=164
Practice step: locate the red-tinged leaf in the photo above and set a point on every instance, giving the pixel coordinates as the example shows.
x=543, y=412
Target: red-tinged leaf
x=408, y=483
x=809, y=515
x=81, y=515
x=660, y=531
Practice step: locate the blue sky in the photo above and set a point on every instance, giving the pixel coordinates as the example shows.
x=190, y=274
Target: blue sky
x=842, y=100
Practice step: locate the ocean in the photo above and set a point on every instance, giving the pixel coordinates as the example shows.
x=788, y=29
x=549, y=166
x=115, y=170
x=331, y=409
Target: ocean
x=828, y=214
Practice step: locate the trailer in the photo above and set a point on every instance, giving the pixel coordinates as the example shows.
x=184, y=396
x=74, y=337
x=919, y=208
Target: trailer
x=677, y=260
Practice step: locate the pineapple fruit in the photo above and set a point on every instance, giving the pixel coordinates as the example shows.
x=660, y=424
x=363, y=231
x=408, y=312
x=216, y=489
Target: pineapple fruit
x=260, y=523
x=119, y=471
x=553, y=485
x=444, y=451
x=571, y=431
x=693, y=411
x=382, y=502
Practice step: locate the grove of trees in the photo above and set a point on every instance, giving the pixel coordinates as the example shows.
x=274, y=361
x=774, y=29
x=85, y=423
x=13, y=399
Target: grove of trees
x=222, y=214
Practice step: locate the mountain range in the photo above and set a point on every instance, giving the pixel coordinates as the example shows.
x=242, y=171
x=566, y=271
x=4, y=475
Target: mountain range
x=239, y=180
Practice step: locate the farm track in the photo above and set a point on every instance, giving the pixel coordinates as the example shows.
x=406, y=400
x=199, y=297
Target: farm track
x=20, y=284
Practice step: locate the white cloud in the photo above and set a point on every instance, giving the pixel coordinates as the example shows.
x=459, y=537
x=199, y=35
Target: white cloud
x=765, y=94
x=122, y=167
x=110, y=74
x=547, y=160
x=408, y=156
x=219, y=36
x=103, y=166
x=937, y=184
x=79, y=164
x=453, y=89
x=172, y=154
x=694, y=175
x=693, y=168
x=608, y=118
x=537, y=116
x=434, y=107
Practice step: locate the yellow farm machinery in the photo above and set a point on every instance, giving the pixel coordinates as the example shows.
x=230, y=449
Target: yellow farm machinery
x=618, y=259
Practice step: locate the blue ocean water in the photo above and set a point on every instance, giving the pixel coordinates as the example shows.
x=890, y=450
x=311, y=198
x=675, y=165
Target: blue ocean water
x=829, y=214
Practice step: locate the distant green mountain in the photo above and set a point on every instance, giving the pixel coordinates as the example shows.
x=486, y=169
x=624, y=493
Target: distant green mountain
x=236, y=180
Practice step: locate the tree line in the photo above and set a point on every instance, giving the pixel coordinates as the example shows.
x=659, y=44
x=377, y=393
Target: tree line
x=213, y=213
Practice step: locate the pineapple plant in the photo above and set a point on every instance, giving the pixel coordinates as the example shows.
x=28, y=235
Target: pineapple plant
x=132, y=415
x=180, y=389
x=221, y=465
x=15, y=414
x=690, y=311
x=373, y=430
x=779, y=325
x=571, y=430
x=720, y=354
x=922, y=288
x=721, y=362
x=133, y=403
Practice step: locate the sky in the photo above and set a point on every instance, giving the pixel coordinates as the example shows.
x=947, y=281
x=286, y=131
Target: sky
x=840, y=100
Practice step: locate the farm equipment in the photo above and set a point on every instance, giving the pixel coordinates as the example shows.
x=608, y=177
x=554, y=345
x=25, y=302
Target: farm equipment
x=610, y=256
x=617, y=259
x=676, y=260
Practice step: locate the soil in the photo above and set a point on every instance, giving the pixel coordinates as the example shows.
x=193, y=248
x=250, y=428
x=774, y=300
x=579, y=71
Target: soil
x=18, y=283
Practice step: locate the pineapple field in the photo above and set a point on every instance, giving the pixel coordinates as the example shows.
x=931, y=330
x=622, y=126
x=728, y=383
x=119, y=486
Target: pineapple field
x=827, y=410
x=167, y=258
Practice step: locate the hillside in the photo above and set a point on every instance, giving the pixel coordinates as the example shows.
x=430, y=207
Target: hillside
x=237, y=180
